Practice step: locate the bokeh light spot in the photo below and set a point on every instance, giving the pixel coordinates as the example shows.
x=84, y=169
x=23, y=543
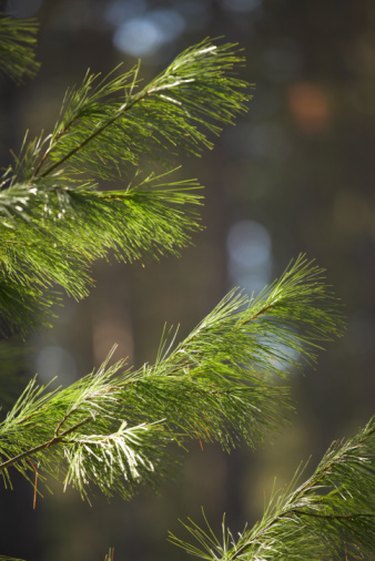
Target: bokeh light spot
x=310, y=107
x=249, y=249
x=142, y=36
x=119, y=11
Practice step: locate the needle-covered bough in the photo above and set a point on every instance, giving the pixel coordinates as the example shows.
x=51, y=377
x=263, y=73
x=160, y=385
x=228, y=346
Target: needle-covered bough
x=56, y=219
x=74, y=195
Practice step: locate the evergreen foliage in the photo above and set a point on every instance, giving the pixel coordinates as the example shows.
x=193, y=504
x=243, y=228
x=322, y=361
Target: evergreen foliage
x=227, y=381
x=51, y=233
x=220, y=384
x=17, y=53
x=106, y=126
x=329, y=516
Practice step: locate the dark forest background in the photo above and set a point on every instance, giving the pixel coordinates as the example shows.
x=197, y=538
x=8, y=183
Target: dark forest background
x=295, y=174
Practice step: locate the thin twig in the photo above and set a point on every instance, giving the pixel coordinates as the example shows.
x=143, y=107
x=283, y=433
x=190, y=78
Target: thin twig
x=51, y=442
x=124, y=107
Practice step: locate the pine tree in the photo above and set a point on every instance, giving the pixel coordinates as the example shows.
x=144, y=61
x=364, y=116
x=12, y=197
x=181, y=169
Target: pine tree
x=113, y=428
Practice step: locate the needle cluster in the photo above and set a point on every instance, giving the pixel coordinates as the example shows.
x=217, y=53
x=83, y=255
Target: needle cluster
x=329, y=516
x=17, y=47
x=80, y=193
x=77, y=194
x=226, y=382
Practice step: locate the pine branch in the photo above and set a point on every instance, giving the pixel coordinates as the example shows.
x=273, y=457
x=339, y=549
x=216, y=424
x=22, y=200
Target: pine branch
x=223, y=383
x=17, y=47
x=106, y=122
x=236, y=359
x=286, y=322
x=329, y=514
x=54, y=223
x=54, y=231
x=79, y=433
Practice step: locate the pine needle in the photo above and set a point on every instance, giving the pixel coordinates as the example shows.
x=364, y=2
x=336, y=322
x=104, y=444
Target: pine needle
x=17, y=47
x=225, y=383
x=56, y=220
x=331, y=512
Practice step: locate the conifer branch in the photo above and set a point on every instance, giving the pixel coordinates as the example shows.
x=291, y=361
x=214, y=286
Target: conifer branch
x=124, y=108
x=224, y=383
x=51, y=234
x=54, y=223
x=197, y=94
x=107, y=122
x=331, y=512
x=17, y=47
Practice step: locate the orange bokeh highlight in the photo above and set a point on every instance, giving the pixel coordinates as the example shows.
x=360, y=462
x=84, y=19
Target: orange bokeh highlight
x=310, y=107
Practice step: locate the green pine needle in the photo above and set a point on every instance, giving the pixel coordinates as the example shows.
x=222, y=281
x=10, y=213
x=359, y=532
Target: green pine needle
x=106, y=122
x=329, y=516
x=111, y=122
x=17, y=47
x=224, y=383
x=55, y=220
x=54, y=232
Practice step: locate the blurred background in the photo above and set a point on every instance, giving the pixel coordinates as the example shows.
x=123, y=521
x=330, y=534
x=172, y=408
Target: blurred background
x=295, y=174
